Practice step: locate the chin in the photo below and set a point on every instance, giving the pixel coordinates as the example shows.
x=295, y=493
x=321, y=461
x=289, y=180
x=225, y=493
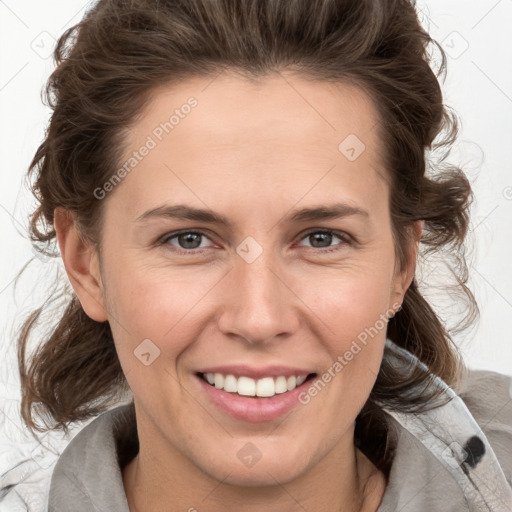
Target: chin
x=262, y=477
x=268, y=473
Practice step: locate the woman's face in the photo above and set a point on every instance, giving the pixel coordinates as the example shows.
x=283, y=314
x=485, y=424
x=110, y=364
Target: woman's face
x=269, y=292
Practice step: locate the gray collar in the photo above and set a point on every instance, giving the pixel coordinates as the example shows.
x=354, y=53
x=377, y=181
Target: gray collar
x=443, y=462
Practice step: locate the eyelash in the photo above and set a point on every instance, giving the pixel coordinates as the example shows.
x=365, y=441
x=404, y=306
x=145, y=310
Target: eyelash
x=340, y=234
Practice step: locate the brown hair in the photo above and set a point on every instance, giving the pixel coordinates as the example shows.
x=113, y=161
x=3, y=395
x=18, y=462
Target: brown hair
x=107, y=67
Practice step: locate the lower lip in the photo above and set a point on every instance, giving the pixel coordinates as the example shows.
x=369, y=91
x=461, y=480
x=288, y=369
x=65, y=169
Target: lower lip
x=254, y=409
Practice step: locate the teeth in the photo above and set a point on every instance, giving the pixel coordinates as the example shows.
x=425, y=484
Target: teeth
x=301, y=379
x=291, y=383
x=219, y=381
x=265, y=387
x=281, y=385
x=245, y=386
x=230, y=384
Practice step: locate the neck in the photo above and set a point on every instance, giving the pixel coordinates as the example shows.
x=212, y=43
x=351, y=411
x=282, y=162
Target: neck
x=344, y=480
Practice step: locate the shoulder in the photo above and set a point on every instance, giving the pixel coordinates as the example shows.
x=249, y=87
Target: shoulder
x=488, y=396
x=89, y=469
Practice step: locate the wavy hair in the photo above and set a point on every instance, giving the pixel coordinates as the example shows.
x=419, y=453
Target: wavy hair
x=109, y=64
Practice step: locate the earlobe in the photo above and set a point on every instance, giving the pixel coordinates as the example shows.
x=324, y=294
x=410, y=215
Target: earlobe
x=405, y=278
x=417, y=229
x=81, y=263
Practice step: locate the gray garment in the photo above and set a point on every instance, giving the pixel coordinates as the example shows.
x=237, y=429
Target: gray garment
x=457, y=457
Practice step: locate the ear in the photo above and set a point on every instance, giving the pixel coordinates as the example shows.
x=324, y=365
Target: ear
x=81, y=261
x=403, y=279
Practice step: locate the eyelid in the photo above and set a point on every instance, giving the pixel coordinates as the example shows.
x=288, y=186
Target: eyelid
x=173, y=234
x=342, y=235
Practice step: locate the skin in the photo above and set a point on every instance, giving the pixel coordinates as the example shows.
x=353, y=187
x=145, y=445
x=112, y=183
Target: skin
x=252, y=152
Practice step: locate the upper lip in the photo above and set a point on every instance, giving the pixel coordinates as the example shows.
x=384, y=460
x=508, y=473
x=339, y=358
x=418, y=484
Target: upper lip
x=241, y=370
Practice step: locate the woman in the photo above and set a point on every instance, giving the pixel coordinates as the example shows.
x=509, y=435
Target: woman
x=198, y=157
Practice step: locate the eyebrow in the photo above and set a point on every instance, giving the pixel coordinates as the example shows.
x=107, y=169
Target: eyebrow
x=180, y=211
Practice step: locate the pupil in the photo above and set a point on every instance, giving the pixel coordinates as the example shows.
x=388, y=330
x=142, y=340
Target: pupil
x=320, y=237
x=188, y=239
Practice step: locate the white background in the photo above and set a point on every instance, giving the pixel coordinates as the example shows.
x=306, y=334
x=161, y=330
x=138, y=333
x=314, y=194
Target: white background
x=478, y=40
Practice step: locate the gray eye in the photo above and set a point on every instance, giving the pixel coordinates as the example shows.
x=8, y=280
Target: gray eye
x=320, y=239
x=189, y=240
x=186, y=240
x=323, y=239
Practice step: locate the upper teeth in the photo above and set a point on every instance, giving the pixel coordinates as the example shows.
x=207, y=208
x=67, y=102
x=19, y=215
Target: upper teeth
x=251, y=387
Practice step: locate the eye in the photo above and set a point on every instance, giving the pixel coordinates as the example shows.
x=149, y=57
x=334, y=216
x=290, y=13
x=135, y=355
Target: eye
x=322, y=238
x=187, y=241
x=191, y=241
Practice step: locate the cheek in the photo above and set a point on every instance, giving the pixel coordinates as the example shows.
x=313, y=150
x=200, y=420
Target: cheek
x=154, y=326
x=351, y=298
x=155, y=305
x=354, y=310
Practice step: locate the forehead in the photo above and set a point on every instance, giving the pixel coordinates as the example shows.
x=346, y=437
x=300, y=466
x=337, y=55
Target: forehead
x=234, y=110
x=282, y=132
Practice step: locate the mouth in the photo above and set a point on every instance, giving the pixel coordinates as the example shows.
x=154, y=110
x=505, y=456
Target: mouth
x=247, y=387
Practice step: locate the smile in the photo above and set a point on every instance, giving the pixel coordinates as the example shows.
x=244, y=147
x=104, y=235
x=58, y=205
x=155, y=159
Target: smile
x=247, y=386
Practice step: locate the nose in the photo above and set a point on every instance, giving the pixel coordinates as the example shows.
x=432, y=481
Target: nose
x=258, y=305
